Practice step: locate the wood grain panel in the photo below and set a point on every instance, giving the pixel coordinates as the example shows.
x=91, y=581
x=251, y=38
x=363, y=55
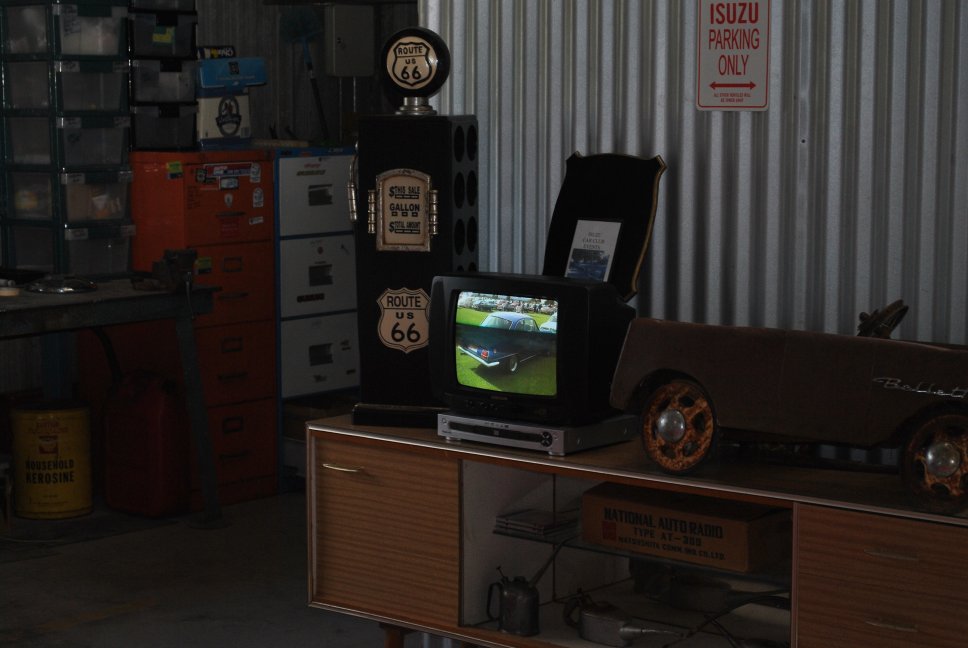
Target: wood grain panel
x=871, y=580
x=385, y=538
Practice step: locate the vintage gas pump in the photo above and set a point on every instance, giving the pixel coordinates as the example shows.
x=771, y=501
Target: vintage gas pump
x=413, y=191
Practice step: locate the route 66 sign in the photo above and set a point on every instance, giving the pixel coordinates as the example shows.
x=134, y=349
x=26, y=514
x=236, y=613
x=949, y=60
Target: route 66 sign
x=412, y=65
x=404, y=324
x=417, y=61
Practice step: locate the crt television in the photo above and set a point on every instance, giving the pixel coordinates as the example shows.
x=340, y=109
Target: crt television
x=526, y=347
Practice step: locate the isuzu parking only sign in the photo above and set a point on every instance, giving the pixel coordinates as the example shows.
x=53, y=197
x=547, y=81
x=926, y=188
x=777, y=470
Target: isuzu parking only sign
x=734, y=55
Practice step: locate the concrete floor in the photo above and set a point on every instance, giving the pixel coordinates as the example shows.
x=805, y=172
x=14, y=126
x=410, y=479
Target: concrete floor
x=242, y=586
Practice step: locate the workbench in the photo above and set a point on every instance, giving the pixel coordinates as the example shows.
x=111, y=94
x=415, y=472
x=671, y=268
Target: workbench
x=118, y=302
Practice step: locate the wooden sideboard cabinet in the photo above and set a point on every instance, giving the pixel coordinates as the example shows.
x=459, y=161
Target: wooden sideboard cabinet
x=402, y=532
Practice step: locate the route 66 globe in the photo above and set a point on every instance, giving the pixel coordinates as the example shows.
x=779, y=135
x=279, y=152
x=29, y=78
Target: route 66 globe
x=416, y=61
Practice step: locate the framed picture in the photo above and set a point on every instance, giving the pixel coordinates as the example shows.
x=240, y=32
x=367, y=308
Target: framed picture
x=592, y=249
x=602, y=221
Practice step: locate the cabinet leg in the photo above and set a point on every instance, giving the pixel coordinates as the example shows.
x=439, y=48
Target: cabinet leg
x=393, y=636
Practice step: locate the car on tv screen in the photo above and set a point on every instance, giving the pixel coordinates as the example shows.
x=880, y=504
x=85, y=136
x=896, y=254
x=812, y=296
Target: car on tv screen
x=503, y=339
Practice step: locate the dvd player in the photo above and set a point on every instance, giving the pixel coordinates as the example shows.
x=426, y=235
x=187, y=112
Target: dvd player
x=554, y=440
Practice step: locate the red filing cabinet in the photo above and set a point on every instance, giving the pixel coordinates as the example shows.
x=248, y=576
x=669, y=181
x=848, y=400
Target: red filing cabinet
x=221, y=204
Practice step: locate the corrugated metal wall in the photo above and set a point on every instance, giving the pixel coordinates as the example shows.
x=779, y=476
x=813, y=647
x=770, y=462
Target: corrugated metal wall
x=849, y=192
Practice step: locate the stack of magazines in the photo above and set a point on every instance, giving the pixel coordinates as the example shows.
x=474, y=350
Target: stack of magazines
x=536, y=522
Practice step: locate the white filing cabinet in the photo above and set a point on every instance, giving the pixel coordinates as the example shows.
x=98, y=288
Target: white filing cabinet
x=316, y=293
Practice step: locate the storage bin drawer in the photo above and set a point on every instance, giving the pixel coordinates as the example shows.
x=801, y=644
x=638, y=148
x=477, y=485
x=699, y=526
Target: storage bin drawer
x=237, y=362
x=87, y=251
x=93, y=141
x=95, y=195
x=164, y=126
x=169, y=80
x=98, y=251
x=69, y=197
x=850, y=566
x=317, y=275
x=164, y=5
x=245, y=274
x=243, y=441
x=28, y=140
x=26, y=85
x=31, y=248
x=89, y=28
x=79, y=142
x=91, y=86
x=318, y=354
x=78, y=86
x=161, y=35
x=27, y=29
x=32, y=194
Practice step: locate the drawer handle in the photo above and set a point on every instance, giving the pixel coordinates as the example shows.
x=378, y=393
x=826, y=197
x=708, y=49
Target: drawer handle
x=230, y=214
x=346, y=469
x=891, y=555
x=891, y=626
x=231, y=345
x=233, y=295
x=237, y=375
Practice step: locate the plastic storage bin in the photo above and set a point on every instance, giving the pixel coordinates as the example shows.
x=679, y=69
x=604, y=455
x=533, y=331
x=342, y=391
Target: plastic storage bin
x=31, y=195
x=166, y=34
x=169, y=80
x=26, y=85
x=98, y=251
x=27, y=29
x=91, y=29
x=164, y=5
x=164, y=126
x=91, y=86
x=28, y=140
x=95, y=195
x=76, y=85
x=31, y=248
x=93, y=141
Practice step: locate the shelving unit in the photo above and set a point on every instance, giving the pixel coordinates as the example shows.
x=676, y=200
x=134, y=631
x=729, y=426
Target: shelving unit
x=66, y=135
x=163, y=74
x=859, y=543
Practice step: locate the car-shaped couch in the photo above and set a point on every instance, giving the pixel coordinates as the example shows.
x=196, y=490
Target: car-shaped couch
x=690, y=382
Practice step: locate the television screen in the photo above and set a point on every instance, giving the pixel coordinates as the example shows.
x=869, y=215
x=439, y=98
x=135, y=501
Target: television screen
x=507, y=343
x=525, y=347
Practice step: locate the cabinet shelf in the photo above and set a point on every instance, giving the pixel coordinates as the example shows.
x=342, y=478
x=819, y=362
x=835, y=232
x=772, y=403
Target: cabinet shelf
x=778, y=574
x=680, y=627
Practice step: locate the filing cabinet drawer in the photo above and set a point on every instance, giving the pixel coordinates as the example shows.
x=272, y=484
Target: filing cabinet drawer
x=244, y=273
x=318, y=354
x=243, y=441
x=237, y=361
x=312, y=193
x=317, y=275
